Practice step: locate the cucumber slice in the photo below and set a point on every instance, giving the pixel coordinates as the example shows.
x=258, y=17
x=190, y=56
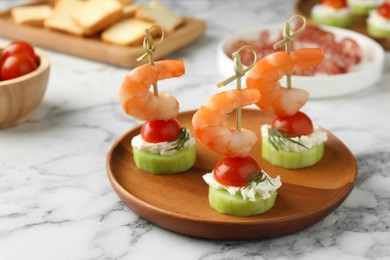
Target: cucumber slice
x=223, y=202
x=344, y=22
x=375, y=32
x=361, y=10
x=291, y=160
x=180, y=161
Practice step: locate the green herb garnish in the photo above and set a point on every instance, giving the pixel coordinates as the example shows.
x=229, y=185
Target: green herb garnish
x=277, y=139
x=257, y=177
x=180, y=140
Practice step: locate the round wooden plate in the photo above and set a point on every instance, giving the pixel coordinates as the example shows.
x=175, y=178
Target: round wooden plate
x=179, y=202
x=303, y=7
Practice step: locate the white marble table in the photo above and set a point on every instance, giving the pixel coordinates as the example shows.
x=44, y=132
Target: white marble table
x=56, y=201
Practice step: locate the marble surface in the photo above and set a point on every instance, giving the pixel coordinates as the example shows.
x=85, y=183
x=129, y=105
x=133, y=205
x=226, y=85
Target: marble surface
x=56, y=201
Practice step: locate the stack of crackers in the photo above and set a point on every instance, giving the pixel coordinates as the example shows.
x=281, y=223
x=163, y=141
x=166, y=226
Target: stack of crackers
x=119, y=22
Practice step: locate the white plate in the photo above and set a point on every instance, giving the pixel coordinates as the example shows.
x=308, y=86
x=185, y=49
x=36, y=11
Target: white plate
x=361, y=76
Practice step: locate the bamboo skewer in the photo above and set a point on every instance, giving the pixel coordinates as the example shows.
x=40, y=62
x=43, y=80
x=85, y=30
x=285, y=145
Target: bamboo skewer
x=288, y=36
x=150, y=47
x=240, y=72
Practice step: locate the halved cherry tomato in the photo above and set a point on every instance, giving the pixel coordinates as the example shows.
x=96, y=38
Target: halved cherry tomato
x=233, y=171
x=384, y=10
x=298, y=124
x=337, y=4
x=16, y=65
x=19, y=47
x=155, y=131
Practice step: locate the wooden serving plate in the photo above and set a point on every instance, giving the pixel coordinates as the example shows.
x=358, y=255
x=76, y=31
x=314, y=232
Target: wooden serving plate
x=179, y=202
x=303, y=7
x=95, y=49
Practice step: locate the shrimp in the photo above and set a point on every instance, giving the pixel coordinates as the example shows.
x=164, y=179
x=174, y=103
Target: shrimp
x=211, y=127
x=267, y=72
x=139, y=102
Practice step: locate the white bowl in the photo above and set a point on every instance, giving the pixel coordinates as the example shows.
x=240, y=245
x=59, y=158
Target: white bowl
x=365, y=74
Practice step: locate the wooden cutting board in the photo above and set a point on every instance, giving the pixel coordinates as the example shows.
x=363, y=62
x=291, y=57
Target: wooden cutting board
x=95, y=49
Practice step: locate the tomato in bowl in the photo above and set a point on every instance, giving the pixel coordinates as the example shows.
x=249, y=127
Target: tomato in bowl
x=21, y=94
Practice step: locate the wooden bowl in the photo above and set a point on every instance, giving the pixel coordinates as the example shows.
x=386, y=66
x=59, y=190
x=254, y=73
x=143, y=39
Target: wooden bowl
x=20, y=97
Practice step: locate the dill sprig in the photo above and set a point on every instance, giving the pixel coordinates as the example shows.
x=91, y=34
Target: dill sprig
x=257, y=177
x=180, y=140
x=277, y=139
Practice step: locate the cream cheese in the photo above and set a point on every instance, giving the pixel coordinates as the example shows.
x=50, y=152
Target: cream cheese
x=263, y=189
x=162, y=148
x=317, y=137
x=378, y=21
x=321, y=10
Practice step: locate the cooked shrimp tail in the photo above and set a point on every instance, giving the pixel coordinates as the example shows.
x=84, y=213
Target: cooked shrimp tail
x=267, y=72
x=211, y=127
x=139, y=102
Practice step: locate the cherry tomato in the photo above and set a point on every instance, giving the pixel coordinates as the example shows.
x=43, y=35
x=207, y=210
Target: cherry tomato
x=337, y=4
x=19, y=47
x=155, y=131
x=298, y=124
x=17, y=65
x=232, y=171
x=384, y=10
